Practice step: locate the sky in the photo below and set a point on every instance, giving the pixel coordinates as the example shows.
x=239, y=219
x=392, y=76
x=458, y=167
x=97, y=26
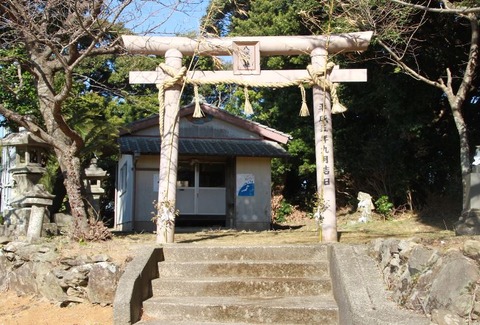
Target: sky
x=166, y=17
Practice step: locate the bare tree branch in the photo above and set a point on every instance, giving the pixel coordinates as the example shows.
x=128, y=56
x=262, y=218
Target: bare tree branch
x=448, y=9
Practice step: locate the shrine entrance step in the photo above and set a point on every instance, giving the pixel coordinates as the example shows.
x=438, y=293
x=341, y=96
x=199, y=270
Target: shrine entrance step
x=282, y=284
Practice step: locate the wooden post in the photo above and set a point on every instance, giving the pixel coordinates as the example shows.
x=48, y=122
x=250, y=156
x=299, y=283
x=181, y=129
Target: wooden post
x=322, y=117
x=169, y=156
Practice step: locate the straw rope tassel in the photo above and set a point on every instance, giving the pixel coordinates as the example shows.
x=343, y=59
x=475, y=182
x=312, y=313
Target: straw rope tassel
x=337, y=107
x=247, y=109
x=319, y=78
x=161, y=108
x=197, y=113
x=304, y=109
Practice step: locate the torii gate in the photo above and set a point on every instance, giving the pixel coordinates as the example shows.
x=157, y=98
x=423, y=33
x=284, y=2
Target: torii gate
x=246, y=52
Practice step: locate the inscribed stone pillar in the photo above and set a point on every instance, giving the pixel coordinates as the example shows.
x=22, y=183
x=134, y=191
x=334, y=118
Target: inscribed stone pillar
x=169, y=152
x=322, y=116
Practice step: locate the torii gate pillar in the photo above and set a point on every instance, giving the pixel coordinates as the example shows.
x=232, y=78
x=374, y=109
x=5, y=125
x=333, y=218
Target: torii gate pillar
x=169, y=153
x=322, y=116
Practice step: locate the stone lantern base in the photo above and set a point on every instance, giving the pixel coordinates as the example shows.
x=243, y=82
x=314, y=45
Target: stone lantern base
x=17, y=221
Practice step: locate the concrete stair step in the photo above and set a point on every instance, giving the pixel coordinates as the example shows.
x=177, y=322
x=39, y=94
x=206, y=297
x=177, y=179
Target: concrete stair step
x=188, y=252
x=320, y=309
x=166, y=322
x=237, y=286
x=245, y=268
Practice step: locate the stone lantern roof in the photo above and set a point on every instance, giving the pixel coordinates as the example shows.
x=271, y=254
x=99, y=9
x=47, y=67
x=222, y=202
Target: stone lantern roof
x=23, y=138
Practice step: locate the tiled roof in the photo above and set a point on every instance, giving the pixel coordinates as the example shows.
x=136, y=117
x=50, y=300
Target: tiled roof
x=265, y=131
x=205, y=147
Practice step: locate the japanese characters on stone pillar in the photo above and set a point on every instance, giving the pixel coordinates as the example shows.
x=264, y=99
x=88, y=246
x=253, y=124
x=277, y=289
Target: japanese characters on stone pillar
x=247, y=73
x=322, y=115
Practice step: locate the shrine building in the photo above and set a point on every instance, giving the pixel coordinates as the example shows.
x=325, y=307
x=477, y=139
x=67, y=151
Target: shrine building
x=223, y=178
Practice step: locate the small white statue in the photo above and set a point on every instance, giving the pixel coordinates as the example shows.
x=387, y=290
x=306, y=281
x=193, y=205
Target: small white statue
x=365, y=205
x=476, y=159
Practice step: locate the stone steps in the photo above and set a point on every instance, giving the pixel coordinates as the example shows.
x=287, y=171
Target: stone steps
x=178, y=253
x=246, y=268
x=259, y=287
x=285, y=284
x=290, y=310
x=189, y=322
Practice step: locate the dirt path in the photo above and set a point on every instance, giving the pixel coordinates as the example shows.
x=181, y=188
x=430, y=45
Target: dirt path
x=29, y=310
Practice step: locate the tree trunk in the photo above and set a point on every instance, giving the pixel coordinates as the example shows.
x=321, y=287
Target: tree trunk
x=464, y=151
x=66, y=144
x=71, y=170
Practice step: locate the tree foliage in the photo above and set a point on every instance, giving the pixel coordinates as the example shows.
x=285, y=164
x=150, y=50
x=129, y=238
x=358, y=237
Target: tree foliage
x=411, y=35
x=61, y=81
x=400, y=137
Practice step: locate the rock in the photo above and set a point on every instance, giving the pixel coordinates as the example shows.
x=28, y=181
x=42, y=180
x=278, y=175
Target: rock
x=102, y=283
x=374, y=248
x=444, y=317
x=71, y=261
x=387, y=249
x=23, y=280
x=50, y=256
x=26, y=252
x=471, y=248
x=468, y=224
x=49, y=288
x=63, y=222
x=419, y=259
x=476, y=308
x=10, y=256
x=420, y=291
x=75, y=277
x=4, y=240
x=3, y=273
x=101, y=258
x=12, y=247
x=405, y=247
x=452, y=283
x=76, y=294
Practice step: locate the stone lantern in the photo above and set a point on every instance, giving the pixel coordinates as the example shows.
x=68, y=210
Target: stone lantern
x=30, y=199
x=93, y=183
x=469, y=221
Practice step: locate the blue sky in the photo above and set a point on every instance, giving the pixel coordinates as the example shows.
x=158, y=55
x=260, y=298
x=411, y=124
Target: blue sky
x=166, y=17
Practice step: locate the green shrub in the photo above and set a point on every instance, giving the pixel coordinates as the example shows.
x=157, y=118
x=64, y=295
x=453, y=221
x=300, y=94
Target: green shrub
x=384, y=207
x=283, y=211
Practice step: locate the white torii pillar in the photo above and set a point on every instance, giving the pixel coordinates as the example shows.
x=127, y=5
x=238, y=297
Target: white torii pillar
x=247, y=69
x=322, y=117
x=166, y=201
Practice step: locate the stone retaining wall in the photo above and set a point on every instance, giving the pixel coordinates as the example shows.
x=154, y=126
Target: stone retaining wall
x=39, y=269
x=445, y=286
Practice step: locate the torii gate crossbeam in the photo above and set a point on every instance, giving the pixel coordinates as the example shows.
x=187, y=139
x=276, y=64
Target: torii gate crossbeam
x=269, y=45
x=246, y=52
